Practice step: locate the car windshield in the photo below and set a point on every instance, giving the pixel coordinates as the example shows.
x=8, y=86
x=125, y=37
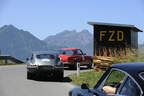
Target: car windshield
x=71, y=52
x=77, y=52
x=45, y=56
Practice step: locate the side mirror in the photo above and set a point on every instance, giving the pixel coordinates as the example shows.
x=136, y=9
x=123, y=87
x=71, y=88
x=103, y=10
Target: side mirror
x=58, y=59
x=84, y=86
x=27, y=59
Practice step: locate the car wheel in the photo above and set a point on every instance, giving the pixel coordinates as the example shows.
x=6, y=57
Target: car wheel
x=29, y=75
x=58, y=75
x=74, y=66
x=61, y=76
x=89, y=66
x=71, y=67
x=70, y=93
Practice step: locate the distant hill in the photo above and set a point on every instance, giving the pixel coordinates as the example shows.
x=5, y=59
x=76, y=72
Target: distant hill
x=82, y=40
x=20, y=43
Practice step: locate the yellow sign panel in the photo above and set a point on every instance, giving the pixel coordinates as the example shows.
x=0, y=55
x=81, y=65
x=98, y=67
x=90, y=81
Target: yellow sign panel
x=113, y=35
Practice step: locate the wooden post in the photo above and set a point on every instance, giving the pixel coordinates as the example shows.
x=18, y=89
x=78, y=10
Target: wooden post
x=104, y=52
x=99, y=51
x=110, y=52
x=115, y=53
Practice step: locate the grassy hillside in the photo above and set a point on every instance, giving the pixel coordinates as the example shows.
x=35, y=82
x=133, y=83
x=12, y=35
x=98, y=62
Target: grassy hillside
x=3, y=64
x=136, y=56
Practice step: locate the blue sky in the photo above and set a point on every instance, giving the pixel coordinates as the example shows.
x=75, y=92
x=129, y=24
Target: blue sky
x=48, y=17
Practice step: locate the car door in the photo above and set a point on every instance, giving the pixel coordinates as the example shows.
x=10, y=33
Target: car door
x=111, y=83
x=118, y=83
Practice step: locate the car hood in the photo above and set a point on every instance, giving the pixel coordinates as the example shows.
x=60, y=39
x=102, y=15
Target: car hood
x=65, y=57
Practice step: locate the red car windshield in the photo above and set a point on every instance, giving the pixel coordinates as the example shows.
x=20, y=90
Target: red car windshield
x=71, y=52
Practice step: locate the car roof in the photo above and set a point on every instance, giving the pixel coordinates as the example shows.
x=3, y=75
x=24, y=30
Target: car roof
x=129, y=67
x=134, y=69
x=45, y=52
x=69, y=49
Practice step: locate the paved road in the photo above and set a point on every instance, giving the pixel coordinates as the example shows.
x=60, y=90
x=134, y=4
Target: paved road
x=13, y=82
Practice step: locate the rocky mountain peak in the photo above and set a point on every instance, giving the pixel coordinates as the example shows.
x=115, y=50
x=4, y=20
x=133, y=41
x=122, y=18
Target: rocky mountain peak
x=82, y=40
x=66, y=32
x=8, y=28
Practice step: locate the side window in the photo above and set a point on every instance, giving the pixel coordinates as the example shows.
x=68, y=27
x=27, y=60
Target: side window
x=113, y=82
x=130, y=88
x=78, y=52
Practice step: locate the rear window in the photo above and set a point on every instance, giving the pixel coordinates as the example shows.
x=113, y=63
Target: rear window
x=45, y=56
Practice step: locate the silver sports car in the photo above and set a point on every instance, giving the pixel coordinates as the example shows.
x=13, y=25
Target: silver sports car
x=45, y=64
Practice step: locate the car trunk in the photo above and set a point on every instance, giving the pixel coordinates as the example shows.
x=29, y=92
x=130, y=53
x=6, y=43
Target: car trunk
x=46, y=62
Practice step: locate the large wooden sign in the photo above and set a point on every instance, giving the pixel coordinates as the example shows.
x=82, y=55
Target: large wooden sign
x=112, y=40
x=111, y=36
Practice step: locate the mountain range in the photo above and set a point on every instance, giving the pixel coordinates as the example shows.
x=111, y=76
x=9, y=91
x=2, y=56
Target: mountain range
x=20, y=44
x=72, y=39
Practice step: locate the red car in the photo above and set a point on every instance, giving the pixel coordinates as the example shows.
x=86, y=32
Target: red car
x=70, y=56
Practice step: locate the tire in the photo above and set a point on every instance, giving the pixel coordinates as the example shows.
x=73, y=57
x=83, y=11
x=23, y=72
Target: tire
x=89, y=66
x=74, y=66
x=58, y=75
x=71, y=67
x=70, y=93
x=29, y=75
x=61, y=76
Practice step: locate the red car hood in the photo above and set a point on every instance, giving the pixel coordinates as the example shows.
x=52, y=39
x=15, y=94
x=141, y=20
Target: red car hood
x=65, y=57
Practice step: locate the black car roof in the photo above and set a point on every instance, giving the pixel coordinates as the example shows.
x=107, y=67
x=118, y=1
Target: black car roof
x=131, y=67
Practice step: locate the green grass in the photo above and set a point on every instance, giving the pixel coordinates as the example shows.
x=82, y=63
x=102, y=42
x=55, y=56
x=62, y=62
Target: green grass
x=90, y=78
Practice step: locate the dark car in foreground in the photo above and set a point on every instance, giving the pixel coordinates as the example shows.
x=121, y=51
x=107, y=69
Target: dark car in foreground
x=45, y=64
x=119, y=80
